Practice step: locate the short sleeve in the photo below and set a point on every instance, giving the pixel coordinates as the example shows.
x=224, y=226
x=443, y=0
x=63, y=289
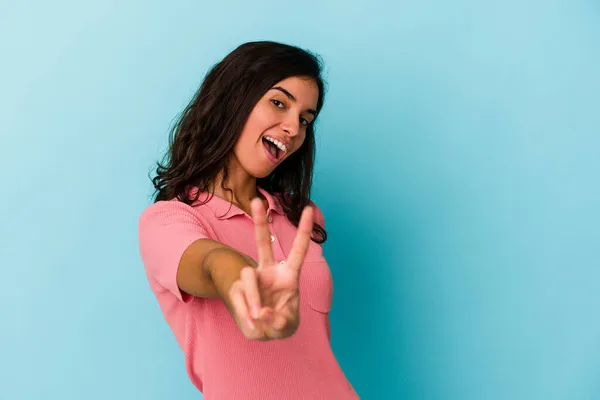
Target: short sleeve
x=165, y=230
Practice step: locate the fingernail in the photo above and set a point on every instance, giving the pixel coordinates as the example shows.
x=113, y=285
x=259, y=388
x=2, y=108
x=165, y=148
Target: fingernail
x=255, y=311
x=251, y=324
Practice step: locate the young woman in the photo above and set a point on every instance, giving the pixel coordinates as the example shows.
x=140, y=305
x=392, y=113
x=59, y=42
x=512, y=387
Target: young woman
x=232, y=243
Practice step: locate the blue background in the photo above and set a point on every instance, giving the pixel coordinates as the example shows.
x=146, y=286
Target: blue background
x=458, y=170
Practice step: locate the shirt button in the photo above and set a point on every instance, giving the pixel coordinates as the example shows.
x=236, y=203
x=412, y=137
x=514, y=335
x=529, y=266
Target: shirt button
x=270, y=219
x=272, y=238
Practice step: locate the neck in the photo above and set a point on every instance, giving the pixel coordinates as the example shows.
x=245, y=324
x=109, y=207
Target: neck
x=242, y=185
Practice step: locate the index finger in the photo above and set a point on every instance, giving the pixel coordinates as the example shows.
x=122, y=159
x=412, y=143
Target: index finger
x=302, y=240
x=263, y=234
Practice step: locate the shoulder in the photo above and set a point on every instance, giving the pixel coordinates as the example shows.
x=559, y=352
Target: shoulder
x=164, y=209
x=171, y=212
x=318, y=215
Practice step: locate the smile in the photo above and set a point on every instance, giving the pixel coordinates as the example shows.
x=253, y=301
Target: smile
x=274, y=149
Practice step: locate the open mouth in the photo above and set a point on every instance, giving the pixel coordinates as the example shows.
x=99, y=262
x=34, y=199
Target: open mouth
x=275, y=152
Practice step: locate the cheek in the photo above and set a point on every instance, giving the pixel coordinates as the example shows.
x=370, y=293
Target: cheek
x=259, y=119
x=299, y=141
x=253, y=129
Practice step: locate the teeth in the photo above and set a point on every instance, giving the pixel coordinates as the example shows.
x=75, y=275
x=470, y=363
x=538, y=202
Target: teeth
x=277, y=143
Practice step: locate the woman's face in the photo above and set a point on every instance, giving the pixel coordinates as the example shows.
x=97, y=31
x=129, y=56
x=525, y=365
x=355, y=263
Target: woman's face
x=277, y=125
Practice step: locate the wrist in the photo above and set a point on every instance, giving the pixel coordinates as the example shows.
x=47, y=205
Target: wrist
x=223, y=266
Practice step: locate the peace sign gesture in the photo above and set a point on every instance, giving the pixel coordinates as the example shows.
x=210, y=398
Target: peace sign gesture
x=266, y=299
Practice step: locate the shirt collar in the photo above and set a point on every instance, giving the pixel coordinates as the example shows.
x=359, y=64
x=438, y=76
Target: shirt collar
x=223, y=209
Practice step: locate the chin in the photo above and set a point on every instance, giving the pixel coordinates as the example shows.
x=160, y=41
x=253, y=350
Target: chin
x=261, y=174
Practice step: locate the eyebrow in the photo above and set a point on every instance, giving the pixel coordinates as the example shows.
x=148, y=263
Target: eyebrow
x=291, y=97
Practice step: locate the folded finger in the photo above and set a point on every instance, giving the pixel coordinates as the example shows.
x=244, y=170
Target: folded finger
x=279, y=322
x=279, y=327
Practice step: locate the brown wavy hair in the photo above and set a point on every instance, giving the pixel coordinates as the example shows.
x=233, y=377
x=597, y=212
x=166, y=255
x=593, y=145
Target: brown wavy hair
x=202, y=139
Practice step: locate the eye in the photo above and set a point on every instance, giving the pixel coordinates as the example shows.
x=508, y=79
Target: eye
x=304, y=121
x=277, y=103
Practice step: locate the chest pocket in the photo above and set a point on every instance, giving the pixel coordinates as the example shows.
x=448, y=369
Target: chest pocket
x=316, y=285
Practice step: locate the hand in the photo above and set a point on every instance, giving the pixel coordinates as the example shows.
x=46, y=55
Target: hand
x=266, y=299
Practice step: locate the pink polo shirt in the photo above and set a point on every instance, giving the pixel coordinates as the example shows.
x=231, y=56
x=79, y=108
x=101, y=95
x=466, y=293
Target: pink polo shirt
x=220, y=361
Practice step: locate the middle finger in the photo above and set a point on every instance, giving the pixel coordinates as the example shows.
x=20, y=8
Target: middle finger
x=302, y=239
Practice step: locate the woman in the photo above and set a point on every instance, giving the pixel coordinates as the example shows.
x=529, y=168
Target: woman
x=232, y=243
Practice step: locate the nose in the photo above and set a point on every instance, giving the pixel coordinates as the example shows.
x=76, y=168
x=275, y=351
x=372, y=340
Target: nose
x=291, y=125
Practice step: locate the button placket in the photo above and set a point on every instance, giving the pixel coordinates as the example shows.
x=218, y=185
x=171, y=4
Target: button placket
x=276, y=245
